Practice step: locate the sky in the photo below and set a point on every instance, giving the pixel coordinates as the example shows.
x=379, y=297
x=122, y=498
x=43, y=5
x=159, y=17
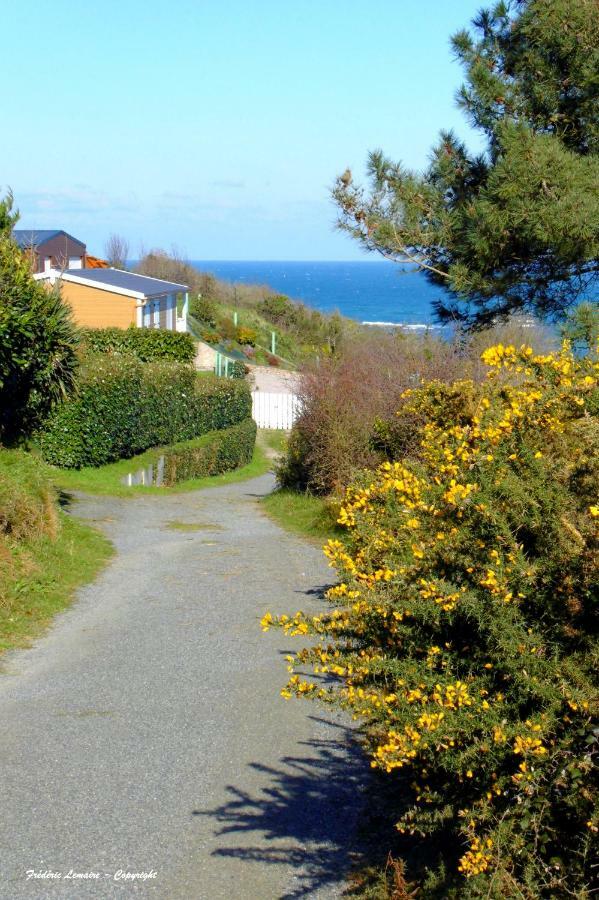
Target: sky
x=217, y=128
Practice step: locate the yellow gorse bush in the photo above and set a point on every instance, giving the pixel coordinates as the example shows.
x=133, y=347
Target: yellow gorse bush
x=463, y=636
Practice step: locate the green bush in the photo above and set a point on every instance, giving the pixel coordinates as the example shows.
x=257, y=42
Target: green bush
x=211, y=454
x=246, y=335
x=239, y=369
x=38, y=341
x=123, y=407
x=147, y=344
x=278, y=309
x=210, y=337
x=204, y=310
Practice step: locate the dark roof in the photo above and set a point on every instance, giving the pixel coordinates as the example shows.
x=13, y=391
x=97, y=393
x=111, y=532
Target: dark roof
x=26, y=237
x=128, y=281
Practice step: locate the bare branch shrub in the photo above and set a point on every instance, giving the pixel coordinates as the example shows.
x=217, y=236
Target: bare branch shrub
x=116, y=251
x=344, y=396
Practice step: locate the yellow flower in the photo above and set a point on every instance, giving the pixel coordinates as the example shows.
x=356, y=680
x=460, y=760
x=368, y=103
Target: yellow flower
x=266, y=621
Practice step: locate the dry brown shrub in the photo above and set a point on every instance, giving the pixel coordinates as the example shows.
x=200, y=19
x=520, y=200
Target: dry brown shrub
x=344, y=396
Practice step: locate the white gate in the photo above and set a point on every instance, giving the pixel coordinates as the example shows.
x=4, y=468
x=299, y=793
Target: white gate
x=274, y=410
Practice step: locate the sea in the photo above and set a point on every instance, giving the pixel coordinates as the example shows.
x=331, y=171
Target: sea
x=378, y=292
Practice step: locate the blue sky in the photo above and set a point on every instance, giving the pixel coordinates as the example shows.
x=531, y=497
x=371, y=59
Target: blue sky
x=217, y=128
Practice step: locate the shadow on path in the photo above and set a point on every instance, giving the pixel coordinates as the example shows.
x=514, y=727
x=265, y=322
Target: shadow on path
x=308, y=810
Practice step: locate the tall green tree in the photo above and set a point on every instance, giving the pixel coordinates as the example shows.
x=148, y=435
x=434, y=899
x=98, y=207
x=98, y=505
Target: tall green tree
x=38, y=340
x=515, y=228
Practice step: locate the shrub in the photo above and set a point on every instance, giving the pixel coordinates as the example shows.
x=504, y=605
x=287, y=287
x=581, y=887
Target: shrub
x=239, y=369
x=342, y=398
x=123, y=407
x=38, y=341
x=246, y=335
x=146, y=344
x=203, y=309
x=465, y=630
x=272, y=360
x=210, y=337
x=278, y=309
x=228, y=329
x=211, y=454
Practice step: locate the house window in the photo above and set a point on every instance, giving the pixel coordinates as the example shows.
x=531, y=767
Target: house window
x=75, y=262
x=47, y=263
x=156, y=316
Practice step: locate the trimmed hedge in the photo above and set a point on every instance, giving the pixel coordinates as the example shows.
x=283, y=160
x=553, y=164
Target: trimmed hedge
x=211, y=454
x=147, y=344
x=123, y=407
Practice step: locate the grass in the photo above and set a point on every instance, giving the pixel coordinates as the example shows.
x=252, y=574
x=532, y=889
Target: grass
x=175, y=525
x=44, y=574
x=273, y=440
x=312, y=517
x=106, y=480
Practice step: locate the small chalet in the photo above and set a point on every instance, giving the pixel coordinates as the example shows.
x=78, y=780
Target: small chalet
x=103, y=297
x=51, y=249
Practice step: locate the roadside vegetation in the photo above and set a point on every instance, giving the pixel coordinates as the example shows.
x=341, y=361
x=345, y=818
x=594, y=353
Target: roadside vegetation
x=109, y=480
x=38, y=341
x=45, y=554
x=123, y=406
x=312, y=517
x=349, y=399
x=463, y=634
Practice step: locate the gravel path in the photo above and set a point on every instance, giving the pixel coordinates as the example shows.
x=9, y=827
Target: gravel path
x=145, y=733
x=273, y=380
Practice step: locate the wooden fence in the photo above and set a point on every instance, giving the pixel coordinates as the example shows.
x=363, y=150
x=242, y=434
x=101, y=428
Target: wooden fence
x=274, y=410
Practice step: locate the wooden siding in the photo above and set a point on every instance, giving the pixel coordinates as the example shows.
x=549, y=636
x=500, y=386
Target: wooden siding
x=94, y=308
x=60, y=249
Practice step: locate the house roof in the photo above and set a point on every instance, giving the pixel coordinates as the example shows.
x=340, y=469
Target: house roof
x=121, y=282
x=34, y=237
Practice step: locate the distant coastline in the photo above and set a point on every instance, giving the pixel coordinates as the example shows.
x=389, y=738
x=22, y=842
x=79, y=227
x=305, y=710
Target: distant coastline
x=374, y=291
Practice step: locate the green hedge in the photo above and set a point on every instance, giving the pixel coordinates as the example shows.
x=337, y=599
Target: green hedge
x=211, y=454
x=123, y=407
x=147, y=344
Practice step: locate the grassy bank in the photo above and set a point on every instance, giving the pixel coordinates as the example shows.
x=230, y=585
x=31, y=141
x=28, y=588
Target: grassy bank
x=45, y=555
x=312, y=517
x=107, y=480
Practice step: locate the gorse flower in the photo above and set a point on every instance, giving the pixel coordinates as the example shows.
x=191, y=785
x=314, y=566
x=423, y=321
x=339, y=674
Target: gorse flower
x=463, y=628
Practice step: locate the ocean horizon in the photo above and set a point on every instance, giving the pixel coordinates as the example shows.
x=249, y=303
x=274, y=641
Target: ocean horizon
x=376, y=292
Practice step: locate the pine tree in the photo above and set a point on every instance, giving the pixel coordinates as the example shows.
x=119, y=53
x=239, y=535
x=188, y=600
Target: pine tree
x=516, y=228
